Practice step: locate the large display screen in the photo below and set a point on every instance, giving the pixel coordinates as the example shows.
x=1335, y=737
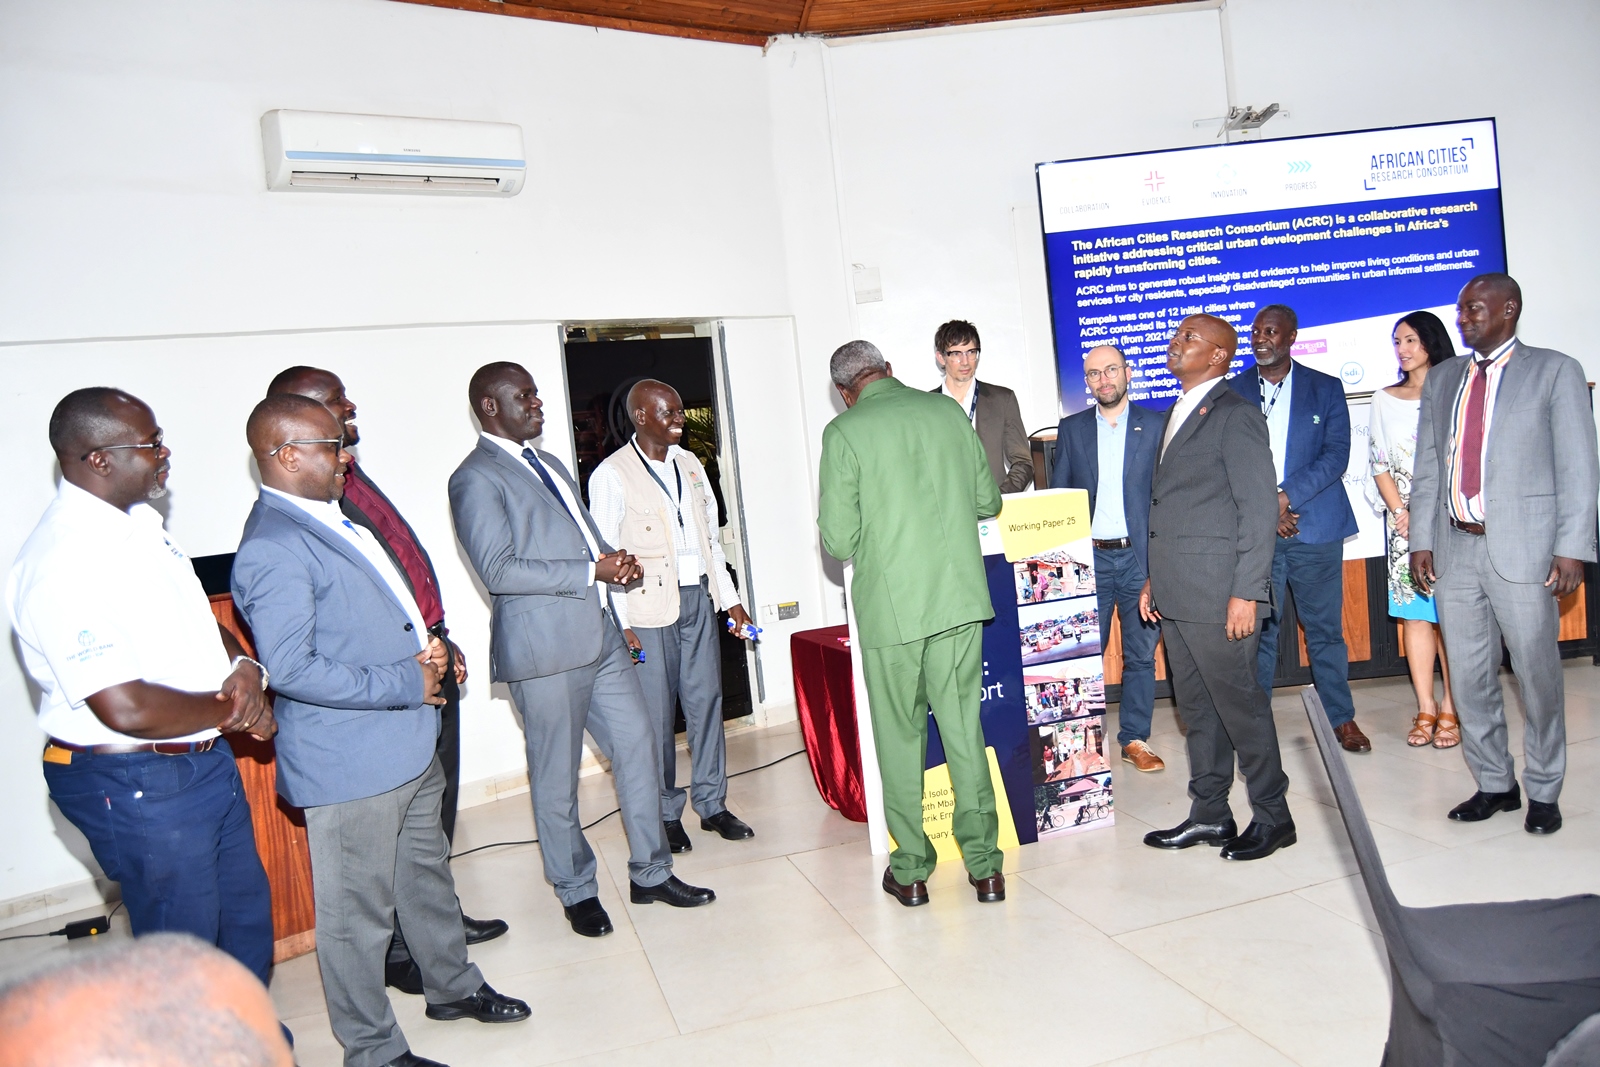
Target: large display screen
x=1351, y=230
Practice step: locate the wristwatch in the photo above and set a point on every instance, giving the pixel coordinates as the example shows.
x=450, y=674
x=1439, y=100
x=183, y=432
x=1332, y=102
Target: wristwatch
x=259, y=666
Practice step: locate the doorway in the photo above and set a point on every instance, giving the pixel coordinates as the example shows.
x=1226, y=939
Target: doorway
x=603, y=361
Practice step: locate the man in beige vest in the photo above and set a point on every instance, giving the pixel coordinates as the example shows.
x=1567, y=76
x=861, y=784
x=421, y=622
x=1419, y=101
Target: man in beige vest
x=651, y=499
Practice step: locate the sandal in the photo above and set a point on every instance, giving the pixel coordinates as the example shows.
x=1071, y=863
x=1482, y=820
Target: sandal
x=1422, y=729
x=1449, y=732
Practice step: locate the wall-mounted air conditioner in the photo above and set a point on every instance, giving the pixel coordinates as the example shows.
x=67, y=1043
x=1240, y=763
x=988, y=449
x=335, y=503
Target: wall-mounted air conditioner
x=318, y=151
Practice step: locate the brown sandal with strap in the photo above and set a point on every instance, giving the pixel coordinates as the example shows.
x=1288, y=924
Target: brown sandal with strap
x=1449, y=733
x=1422, y=728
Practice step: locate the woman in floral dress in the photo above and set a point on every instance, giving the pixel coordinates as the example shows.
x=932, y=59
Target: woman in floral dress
x=1420, y=342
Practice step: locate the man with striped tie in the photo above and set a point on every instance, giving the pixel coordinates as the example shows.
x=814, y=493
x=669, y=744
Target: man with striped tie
x=556, y=642
x=1502, y=519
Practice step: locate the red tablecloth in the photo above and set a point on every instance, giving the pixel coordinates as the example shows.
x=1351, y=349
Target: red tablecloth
x=825, y=693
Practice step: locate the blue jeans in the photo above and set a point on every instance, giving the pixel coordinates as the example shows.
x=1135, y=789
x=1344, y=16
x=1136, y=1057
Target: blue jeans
x=1316, y=574
x=1117, y=581
x=175, y=832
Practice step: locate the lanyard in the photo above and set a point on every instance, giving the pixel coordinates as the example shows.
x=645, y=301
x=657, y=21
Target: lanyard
x=1268, y=405
x=676, y=470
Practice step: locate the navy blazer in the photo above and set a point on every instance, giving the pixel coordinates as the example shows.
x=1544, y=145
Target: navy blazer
x=1077, y=466
x=1319, y=451
x=342, y=653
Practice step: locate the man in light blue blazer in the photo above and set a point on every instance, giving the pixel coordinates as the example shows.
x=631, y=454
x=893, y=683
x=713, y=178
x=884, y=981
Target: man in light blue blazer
x=1115, y=443
x=539, y=554
x=1308, y=424
x=357, y=681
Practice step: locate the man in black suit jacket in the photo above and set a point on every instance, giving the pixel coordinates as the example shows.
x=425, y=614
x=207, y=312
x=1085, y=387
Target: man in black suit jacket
x=1116, y=442
x=992, y=409
x=1213, y=521
x=399, y=541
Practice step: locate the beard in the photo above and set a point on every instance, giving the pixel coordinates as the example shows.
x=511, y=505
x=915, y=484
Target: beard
x=155, y=492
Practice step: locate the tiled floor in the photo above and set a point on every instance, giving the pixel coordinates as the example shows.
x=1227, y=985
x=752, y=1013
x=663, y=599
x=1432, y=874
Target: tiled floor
x=1106, y=952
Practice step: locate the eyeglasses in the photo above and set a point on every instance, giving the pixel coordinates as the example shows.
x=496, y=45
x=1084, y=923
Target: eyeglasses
x=154, y=446
x=336, y=442
x=1109, y=372
x=954, y=354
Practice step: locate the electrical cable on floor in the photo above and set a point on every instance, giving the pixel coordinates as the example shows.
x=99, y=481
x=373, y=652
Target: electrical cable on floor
x=597, y=822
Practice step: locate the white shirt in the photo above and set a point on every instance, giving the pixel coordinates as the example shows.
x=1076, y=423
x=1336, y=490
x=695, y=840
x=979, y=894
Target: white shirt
x=574, y=506
x=328, y=514
x=1275, y=406
x=608, y=506
x=1181, y=409
x=99, y=597
x=970, y=404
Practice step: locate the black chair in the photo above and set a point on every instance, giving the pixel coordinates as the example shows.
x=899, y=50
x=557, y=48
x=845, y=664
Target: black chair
x=1476, y=985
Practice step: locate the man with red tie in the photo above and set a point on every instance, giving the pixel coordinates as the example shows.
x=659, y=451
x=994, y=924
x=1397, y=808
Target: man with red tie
x=1502, y=520
x=365, y=505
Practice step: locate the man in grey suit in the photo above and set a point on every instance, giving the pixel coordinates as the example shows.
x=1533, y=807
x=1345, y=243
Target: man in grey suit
x=992, y=409
x=537, y=551
x=1213, y=526
x=1502, y=518
x=357, y=681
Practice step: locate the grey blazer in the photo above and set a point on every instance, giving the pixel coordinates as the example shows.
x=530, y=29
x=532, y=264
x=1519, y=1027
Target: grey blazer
x=1214, y=512
x=1541, y=473
x=532, y=558
x=1005, y=439
x=342, y=654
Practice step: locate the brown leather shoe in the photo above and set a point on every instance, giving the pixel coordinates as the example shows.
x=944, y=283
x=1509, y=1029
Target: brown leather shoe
x=1138, y=753
x=910, y=895
x=989, y=889
x=1351, y=739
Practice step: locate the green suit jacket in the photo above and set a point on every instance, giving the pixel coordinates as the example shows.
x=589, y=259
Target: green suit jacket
x=905, y=482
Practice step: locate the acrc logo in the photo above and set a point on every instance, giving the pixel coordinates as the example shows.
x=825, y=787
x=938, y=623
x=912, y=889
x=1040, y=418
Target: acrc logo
x=1352, y=373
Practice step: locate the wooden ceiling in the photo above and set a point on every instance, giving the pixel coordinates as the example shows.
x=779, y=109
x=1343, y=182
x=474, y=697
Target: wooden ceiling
x=755, y=22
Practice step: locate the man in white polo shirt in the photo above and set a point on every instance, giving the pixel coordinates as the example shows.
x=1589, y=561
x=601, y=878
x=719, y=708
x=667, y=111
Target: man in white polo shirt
x=137, y=686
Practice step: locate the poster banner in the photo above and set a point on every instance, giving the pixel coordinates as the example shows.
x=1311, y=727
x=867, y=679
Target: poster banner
x=1043, y=708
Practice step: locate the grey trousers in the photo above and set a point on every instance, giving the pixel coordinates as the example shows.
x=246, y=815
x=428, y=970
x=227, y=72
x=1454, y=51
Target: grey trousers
x=605, y=699
x=372, y=860
x=1476, y=608
x=1227, y=714
x=683, y=661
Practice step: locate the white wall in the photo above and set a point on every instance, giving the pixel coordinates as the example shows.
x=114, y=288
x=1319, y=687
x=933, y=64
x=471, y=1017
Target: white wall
x=134, y=210
x=669, y=178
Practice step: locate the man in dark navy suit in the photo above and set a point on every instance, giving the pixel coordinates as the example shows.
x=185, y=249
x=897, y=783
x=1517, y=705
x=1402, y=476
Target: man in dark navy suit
x=1114, y=444
x=1308, y=424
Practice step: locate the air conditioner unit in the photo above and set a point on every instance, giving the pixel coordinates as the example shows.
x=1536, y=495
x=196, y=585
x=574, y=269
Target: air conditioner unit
x=318, y=151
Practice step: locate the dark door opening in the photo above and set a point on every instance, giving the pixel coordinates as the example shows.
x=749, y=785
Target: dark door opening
x=601, y=368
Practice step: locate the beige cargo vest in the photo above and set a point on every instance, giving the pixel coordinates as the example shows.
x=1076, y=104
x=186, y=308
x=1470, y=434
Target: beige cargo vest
x=647, y=525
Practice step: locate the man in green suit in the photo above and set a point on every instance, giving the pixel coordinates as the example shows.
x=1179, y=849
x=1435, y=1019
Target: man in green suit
x=905, y=482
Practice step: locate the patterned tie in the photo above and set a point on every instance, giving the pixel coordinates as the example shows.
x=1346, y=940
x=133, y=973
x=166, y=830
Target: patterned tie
x=1472, y=431
x=549, y=483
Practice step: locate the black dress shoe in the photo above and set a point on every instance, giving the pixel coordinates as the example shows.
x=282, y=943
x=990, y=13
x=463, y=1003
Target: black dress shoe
x=1482, y=805
x=1189, y=833
x=677, y=837
x=1542, y=818
x=411, y=1059
x=405, y=976
x=911, y=895
x=481, y=930
x=588, y=918
x=673, y=891
x=729, y=825
x=485, y=1005
x=990, y=889
x=1260, y=840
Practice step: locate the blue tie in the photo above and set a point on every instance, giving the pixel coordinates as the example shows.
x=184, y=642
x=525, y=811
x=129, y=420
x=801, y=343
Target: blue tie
x=549, y=483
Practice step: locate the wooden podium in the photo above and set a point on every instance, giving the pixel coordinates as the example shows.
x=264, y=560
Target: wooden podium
x=280, y=829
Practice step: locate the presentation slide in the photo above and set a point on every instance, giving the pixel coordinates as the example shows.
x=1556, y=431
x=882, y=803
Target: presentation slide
x=1351, y=230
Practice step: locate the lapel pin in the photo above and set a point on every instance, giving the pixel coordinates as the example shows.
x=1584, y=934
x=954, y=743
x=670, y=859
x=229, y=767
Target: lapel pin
x=1202, y=411
x=1316, y=419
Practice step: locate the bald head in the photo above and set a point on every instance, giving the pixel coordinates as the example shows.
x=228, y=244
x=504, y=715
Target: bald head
x=1487, y=311
x=298, y=447
x=1201, y=350
x=657, y=413
x=491, y=376
x=325, y=388
x=164, y=1000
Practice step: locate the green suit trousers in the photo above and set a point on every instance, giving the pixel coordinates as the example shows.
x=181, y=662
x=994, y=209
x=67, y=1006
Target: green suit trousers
x=945, y=670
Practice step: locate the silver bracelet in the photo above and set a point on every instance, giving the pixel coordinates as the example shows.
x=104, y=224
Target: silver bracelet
x=259, y=666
